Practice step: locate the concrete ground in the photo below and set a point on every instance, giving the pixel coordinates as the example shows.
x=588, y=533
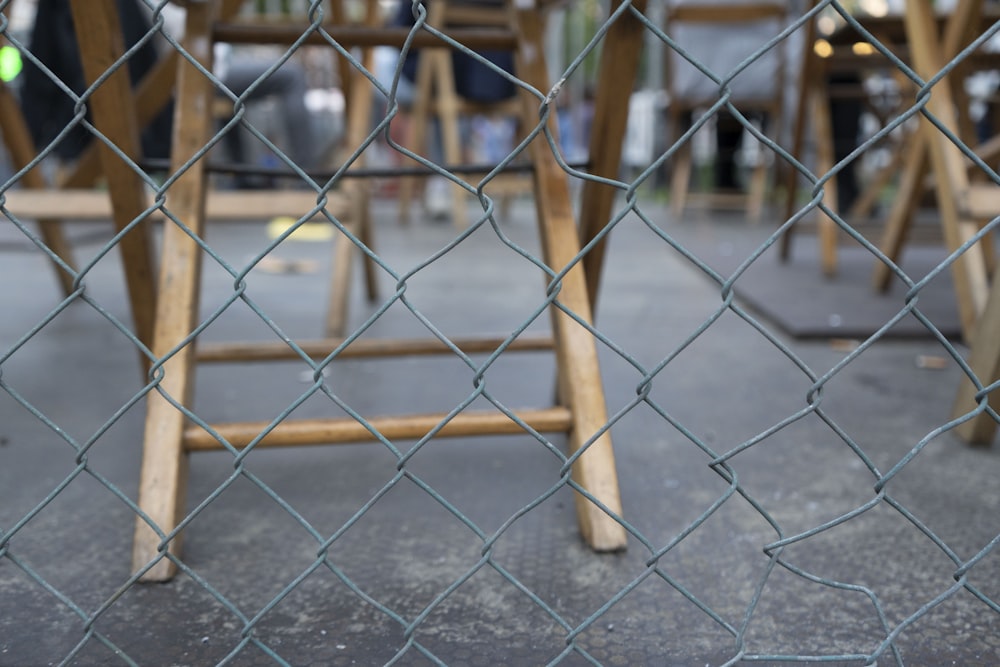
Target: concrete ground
x=408, y=578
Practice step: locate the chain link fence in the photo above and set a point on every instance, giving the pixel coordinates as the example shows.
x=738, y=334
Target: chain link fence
x=785, y=500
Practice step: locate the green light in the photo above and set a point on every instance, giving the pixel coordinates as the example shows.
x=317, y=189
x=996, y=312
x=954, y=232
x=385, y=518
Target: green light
x=10, y=63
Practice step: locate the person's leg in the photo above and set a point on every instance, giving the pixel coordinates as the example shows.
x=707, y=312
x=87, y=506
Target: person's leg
x=288, y=85
x=728, y=134
x=845, y=116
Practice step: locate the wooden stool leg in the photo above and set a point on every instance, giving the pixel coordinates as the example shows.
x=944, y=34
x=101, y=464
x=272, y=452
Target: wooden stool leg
x=358, y=127
x=911, y=189
x=576, y=351
x=164, y=461
x=619, y=67
x=950, y=176
x=101, y=45
x=447, y=103
x=17, y=139
x=811, y=74
x=984, y=360
x=680, y=178
x=366, y=236
x=416, y=129
x=828, y=232
x=340, y=286
x=757, y=192
x=342, y=263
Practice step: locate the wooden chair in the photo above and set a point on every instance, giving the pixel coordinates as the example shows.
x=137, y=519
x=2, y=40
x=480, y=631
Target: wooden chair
x=719, y=35
x=436, y=98
x=170, y=435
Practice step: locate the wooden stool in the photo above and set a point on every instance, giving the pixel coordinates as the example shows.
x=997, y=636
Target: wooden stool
x=169, y=434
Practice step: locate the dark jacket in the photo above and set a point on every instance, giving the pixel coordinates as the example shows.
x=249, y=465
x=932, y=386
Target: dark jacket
x=474, y=80
x=48, y=109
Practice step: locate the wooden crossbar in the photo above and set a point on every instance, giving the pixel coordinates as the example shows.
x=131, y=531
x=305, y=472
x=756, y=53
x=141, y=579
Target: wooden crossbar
x=363, y=348
x=348, y=37
x=295, y=433
x=231, y=205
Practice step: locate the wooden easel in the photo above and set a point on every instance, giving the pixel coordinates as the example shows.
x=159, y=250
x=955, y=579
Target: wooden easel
x=169, y=435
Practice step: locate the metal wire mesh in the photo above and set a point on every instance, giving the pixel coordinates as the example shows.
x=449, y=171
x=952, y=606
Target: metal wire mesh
x=676, y=597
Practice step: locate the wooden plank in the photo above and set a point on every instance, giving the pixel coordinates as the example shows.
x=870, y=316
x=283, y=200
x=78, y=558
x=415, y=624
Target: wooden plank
x=363, y=348
x=812, y=73
x=617, y=71
x=904, y=206
x=243, y=205
x=576, y=351
x=358, y=36
x=163, y=475
x=982, y=201
x=829, y=231
x=294, y=433
x=101, y=43
x=984, y=360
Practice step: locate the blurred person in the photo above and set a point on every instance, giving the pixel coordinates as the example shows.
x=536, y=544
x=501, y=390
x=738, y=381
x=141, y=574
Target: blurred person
x=845, y=120
x=48, y=109
x=474, y=81
x=241, y=72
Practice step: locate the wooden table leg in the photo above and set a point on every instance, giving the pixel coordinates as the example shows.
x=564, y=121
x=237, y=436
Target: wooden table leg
x=950, y=176
x=164, y=461
x=617, y=72
x=828, y=230
x=811, y=74
x=984, y=360
x=912, y=186
x=101, y=42
x=908, y=195
x=576, y=350
x=17, y=139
